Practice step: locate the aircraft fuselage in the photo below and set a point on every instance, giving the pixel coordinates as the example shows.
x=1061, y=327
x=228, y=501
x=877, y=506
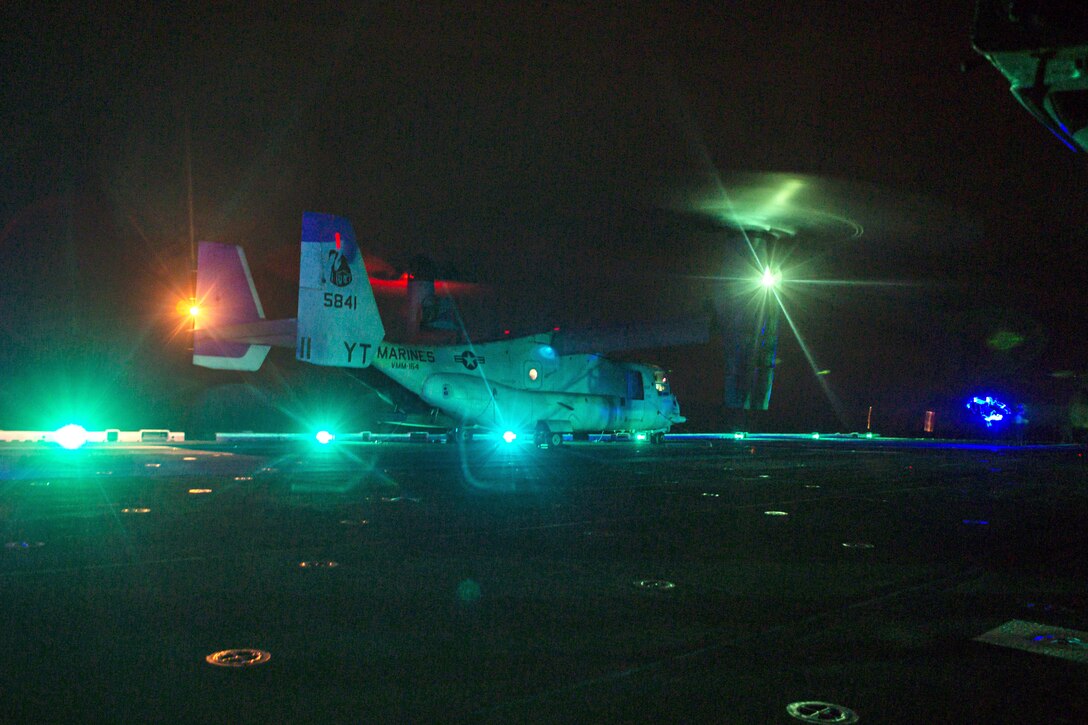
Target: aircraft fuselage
x=517, y=384
x=523, y=384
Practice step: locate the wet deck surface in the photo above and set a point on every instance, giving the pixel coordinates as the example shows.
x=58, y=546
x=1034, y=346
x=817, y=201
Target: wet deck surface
x=501, y=583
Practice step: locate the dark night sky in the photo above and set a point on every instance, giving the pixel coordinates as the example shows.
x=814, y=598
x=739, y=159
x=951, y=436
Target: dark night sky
x=554, y=152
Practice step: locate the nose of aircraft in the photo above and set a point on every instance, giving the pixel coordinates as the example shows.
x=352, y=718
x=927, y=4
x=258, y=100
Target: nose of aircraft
x=673, y=412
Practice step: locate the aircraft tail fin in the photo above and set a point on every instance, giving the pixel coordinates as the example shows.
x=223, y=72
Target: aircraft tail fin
x=338, y=320
x=228, y=298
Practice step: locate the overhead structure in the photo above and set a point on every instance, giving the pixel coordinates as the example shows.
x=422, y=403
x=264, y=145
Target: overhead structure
x=1041, y=48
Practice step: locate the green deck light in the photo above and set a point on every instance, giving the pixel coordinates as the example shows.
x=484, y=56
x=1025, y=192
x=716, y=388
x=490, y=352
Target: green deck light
x=71, y=436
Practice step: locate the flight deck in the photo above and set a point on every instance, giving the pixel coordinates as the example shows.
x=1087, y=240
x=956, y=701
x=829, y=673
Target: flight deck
x=708, y=579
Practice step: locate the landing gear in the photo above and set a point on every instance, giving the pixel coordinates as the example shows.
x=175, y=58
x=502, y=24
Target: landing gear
x=544, y=437
x=458, y=435
x=657, y=438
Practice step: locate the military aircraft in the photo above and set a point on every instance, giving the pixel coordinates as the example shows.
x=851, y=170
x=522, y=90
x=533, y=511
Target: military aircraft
x=548, y=385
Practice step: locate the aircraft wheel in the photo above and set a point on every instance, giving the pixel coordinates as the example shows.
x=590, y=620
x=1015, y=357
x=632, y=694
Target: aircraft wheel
x=657, y=438
x=540, y=437
x=458, y=435
x=555, y=440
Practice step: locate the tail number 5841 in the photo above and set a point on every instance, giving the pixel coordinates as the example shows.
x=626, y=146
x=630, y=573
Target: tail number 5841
x=339, y=302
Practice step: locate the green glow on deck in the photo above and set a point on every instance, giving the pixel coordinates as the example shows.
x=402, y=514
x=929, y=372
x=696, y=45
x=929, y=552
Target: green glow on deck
x=71, y=436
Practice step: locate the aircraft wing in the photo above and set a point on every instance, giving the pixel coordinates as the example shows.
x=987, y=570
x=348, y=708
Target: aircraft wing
x=633, y=336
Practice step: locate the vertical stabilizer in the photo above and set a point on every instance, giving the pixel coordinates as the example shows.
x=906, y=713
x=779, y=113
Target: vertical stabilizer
x=228, y=298
x=338, y=321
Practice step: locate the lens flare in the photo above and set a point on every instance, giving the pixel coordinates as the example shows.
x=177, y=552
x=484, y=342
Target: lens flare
x=71, y=436
x=833, y=399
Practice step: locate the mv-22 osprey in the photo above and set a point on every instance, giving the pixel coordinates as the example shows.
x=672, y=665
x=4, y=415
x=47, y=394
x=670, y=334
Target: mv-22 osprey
x=523, y=385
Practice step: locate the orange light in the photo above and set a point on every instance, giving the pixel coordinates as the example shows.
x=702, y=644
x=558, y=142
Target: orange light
x=187, y=306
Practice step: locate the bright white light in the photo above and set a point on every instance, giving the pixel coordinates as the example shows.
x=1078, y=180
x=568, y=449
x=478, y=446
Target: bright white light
x=509, y=436
x=71, y=436
x=770, y=278
x=640, y=436
x=323, y=437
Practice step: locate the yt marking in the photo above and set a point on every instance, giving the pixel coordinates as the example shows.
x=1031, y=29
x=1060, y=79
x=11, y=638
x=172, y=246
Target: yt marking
x=364, y=348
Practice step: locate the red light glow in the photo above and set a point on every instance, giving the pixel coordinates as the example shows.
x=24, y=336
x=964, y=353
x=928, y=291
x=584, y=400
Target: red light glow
x=337, y=240
x=399, y=286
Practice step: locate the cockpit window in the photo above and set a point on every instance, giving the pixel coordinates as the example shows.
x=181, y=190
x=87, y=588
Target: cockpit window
x=661, y=382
